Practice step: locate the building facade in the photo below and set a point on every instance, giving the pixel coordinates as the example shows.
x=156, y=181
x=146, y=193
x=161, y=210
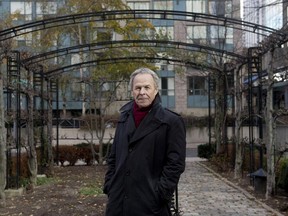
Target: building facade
x=186, y=92
x=189, y=94
x=262, y=12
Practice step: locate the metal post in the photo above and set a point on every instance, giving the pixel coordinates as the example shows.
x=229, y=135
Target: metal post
x=209, y=109
x=57, y=121
x=250, y=107
x=18, y=120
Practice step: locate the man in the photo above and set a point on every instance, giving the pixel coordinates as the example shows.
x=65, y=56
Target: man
x=147, y=155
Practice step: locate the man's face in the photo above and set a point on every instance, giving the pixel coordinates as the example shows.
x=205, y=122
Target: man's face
x=144, y=90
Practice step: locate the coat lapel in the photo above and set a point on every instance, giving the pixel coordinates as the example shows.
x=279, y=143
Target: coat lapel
x=148, y=125
x=131, y=127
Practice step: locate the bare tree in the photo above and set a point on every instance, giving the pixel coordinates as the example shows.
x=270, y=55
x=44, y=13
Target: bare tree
x=239, y=145
x=102, y=94
x=270, y=125
x=5, y=48
x=3, y=159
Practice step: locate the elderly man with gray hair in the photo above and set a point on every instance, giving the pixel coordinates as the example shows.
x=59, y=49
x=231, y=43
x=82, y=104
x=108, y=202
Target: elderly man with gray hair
x=147, y=155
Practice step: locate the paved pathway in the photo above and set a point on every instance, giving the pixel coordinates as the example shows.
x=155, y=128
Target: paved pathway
x=200, y=192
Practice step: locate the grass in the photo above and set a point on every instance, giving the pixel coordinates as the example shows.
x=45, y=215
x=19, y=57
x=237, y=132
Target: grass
x=91, y=190
x=43, y=180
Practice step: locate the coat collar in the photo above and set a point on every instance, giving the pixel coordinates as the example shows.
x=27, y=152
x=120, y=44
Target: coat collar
x=149, y=124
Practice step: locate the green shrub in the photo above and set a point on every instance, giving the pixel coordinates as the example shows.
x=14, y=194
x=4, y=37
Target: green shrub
x=283, y=175
x=206, y=150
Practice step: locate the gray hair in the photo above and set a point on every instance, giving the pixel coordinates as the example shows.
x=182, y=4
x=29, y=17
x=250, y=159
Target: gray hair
x=144, y=71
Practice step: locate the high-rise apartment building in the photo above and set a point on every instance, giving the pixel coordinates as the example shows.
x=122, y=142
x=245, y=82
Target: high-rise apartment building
x=185, y=94
x=262, y=12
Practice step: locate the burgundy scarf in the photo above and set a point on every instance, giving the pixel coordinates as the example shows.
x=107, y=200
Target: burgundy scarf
x=139, y=113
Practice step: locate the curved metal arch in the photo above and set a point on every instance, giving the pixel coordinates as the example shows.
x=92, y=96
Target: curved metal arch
x=127, y=43
x=93, y=63
x=141, y=14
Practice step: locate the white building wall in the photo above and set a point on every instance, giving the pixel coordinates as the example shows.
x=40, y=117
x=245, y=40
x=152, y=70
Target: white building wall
x=193, y=135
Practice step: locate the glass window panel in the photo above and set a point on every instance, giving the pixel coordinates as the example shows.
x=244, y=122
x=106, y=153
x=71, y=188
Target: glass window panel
x=197, y=85
x=190, y=85
x=228, y=9
x=171, y=87
x=23, y=8
x=45, y=8
x=75, y=58
x=167, y=86
x=170, y=67
x=138, y=5
x=164, y=83
x=199, y=82
x=217, y=32
x=196, y=6
x=221, y=32
x=220, y=8
x=196, y=32
x=199, y=32
x=212, y=8
x=27, y=37
x=163, y=5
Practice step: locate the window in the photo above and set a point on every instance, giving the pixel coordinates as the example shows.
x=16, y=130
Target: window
x=165, y=32
x=196, y=34
x=167, y=86
x=144, y=5
x=76, y=93
x=138, y=5
x=163, y=5
x=75, y=58
x=23, y=9
x=196, y=6
x=228, y=8
x=197, y=85
x=43, y=10
x=220, y=8
x=221, y=32
x=106, y=86
x=24, y=39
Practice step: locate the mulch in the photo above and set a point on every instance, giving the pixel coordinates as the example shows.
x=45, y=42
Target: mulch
x=62, y=196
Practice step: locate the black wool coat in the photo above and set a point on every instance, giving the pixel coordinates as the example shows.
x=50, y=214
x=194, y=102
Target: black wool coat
x=145, y=163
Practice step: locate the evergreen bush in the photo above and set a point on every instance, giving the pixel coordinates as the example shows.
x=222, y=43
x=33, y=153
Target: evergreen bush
x=283, y=174
x=206, y=150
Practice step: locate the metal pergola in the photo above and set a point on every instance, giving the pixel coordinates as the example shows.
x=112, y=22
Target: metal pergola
x=45, y=78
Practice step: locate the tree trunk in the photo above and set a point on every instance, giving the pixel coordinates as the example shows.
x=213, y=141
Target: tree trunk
x=219, y=113
x=238, y=123
x=32, y=155
x=82, y=85
x=101, y=138
x=50, y=158
x=270, y=141
x=3, y=159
